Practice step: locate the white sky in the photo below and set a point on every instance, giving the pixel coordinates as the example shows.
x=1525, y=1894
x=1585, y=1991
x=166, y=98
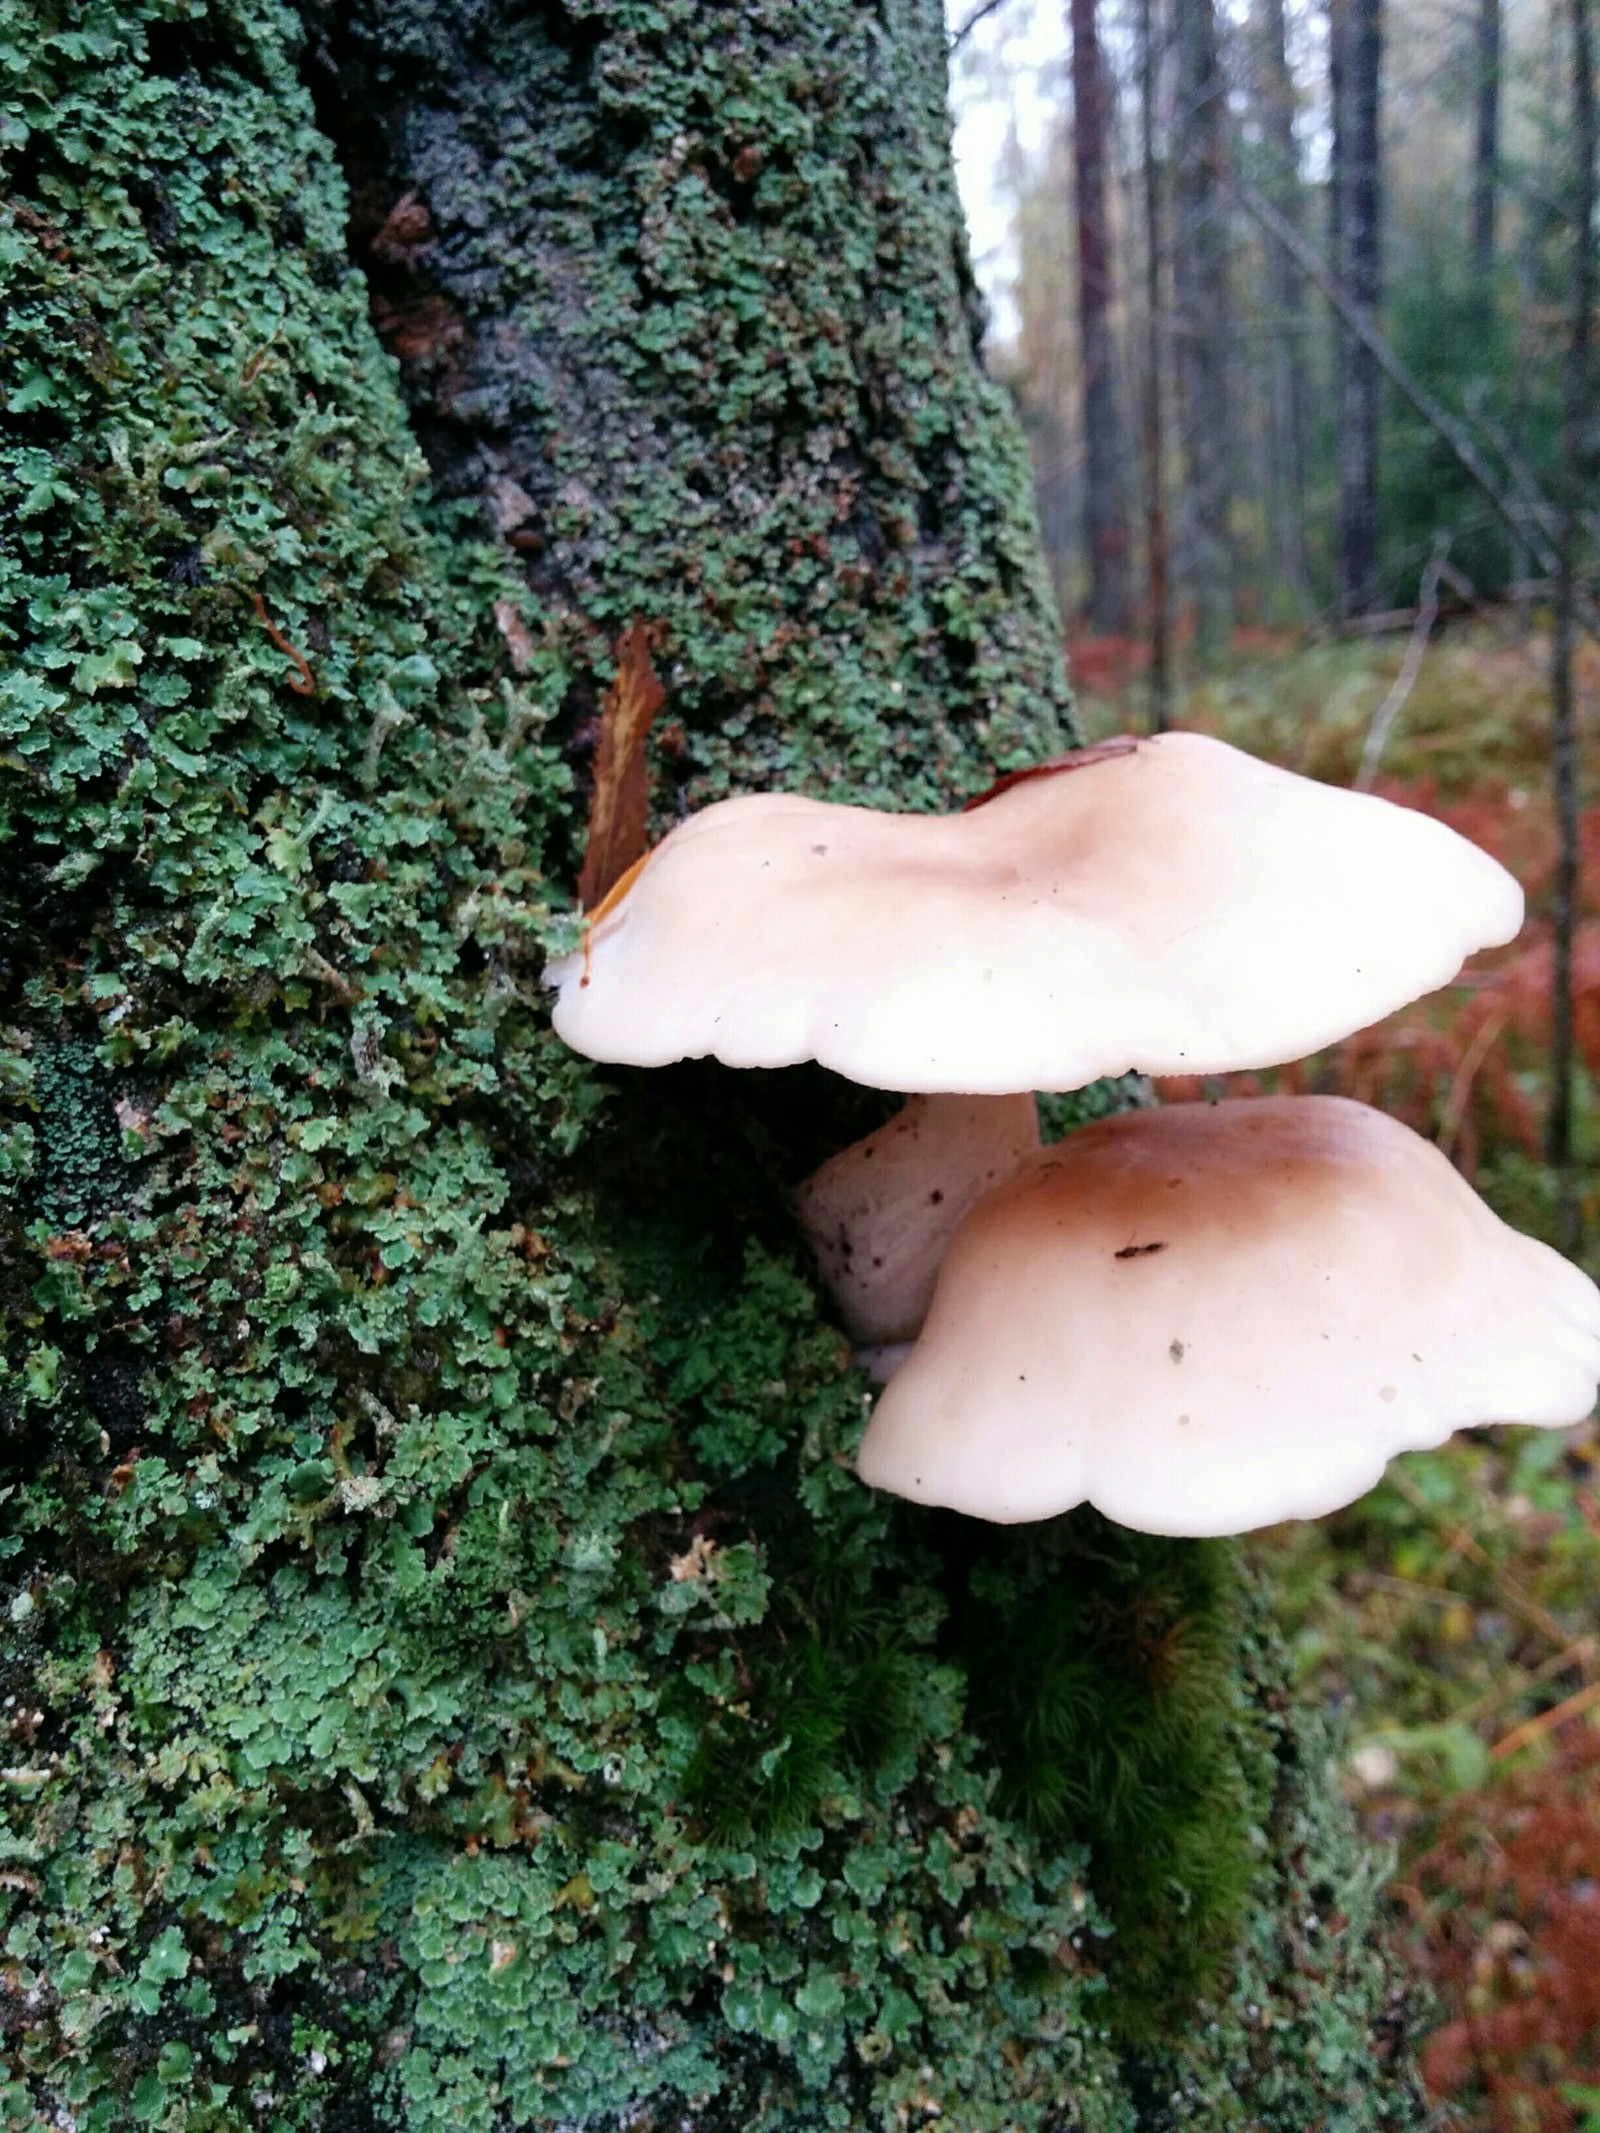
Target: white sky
x=1011, y=76
x=1007, y=80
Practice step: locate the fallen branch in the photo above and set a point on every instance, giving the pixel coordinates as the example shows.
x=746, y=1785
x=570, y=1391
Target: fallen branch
x=1405, y=681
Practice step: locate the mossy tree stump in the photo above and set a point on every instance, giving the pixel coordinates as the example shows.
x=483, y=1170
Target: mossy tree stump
x=452, y=1678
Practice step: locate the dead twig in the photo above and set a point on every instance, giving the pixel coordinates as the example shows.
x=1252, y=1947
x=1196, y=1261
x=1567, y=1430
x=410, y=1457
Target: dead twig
x=1455, y=1104
x=1410, y=666
x=302, y=682
x=1533, y=1729
x=984, y=9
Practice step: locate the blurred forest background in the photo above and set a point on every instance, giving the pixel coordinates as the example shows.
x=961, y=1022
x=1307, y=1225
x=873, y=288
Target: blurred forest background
x=1296, y=299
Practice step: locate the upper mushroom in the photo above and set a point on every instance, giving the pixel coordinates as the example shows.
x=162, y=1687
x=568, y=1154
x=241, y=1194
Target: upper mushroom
x=1172, y=907
x=1205, y=1318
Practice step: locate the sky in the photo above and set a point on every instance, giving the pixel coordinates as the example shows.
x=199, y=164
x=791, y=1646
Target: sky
x=1009, y=74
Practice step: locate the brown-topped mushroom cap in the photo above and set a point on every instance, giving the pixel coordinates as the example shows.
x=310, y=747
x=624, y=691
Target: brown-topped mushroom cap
x=1206, y=1318
x=1177, y=907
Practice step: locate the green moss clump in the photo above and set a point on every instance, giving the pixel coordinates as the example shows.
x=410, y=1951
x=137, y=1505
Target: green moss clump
x=1103, y=1670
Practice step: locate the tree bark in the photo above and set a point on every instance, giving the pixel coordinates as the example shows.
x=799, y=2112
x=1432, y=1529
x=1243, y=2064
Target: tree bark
x=1204, y=324
x=1577, y=470
x=1358, y=45
x=1290, y=395
x=1157, y=542
x=1486, y=138
x=1105, y=456
x=455, y=1676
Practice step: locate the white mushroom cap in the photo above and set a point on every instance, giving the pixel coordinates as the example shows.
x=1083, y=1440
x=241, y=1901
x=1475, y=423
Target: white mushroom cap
x=880, y=1213
x=1174, y=907
x=1210, y=1317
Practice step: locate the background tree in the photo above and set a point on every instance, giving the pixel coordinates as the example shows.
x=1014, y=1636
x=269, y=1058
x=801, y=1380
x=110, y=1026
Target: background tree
x=452, y=1675
x=1203, y=338
x=1276, y=103
x=1105, y=455
x=1356, y=43
x=1486, y=137
x=1576, y=495
x=1158, y=573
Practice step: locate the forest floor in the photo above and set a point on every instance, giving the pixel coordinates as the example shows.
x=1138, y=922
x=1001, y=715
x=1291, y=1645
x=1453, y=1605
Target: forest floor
x=1454, y=1613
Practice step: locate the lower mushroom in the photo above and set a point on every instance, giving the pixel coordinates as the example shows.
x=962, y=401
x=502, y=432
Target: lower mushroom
x=1206, y=1318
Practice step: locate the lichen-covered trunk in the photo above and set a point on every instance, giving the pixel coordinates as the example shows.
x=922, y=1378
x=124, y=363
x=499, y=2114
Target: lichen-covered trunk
x=452, y=1676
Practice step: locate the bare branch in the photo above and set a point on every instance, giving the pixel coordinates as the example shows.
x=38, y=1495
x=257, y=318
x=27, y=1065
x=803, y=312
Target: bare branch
x=984, y=9
x=1410, y=666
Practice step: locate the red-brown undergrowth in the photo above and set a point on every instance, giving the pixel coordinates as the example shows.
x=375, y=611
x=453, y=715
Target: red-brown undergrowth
x=1507, y=1928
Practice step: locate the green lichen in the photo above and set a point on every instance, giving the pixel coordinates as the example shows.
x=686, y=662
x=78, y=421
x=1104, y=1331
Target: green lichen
x=454, y=1679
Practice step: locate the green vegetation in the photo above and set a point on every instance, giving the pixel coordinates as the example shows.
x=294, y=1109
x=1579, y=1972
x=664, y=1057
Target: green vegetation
x=1102, y=1671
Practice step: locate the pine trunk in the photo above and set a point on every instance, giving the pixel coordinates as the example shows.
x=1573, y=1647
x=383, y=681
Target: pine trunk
x=1158, y=574
x=1204, y=324
x=1105, y=457
x=453, y=1677
x=1577, y=479
x=1486, y=139
x=1290, y=402
x=1359, y=45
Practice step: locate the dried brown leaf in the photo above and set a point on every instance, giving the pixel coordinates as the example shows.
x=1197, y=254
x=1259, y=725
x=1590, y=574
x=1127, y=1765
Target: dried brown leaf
x=619, y=805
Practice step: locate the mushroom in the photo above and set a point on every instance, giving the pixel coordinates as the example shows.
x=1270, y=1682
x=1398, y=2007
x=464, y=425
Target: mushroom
x=1206, y=1318
x=1170, y=905
x=880, y=1213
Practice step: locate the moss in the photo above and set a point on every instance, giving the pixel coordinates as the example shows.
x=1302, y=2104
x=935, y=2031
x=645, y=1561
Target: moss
x=448, y=1654
x=1103, y=1674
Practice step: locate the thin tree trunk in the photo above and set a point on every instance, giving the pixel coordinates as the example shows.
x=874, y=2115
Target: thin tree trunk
x=1290, y=391
x=1204, y=324
x=1359, y=48
x=1157, y=539
x=1105, y=456
x=1338, y=134
x=1486, y=139
x=1576, y=461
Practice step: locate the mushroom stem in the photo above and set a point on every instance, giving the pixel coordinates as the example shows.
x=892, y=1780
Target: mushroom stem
x=880, y=1213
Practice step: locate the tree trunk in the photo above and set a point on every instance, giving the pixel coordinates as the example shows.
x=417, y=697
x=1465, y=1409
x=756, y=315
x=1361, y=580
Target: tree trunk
x=1486, y=140
x=1201, y=284
x=1290, y=395
x=1357, y=45
x=1157, y=557
x=1577, y=474
x=1105, y=458
x=454, y=1676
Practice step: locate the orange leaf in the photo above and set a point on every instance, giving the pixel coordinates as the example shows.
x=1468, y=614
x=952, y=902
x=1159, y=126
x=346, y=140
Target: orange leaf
x=1080, y=759
x=619, y=805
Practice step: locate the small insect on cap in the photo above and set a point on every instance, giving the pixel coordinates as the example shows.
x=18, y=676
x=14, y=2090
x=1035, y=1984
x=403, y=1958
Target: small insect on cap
x=1206, y=1318
x=1171, y=905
